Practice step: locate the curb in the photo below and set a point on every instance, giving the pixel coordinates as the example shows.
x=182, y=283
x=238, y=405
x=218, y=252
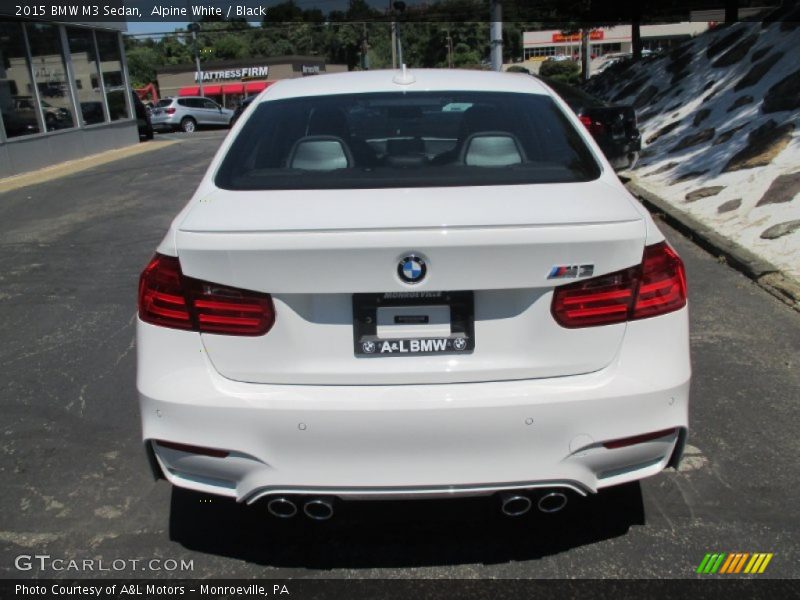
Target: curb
x=70, y=167
x=765, y=274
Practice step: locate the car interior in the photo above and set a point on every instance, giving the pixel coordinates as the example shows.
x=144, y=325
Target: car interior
x=421, y=136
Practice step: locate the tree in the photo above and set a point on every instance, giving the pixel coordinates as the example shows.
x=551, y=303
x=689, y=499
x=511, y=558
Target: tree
x=566, y=71
x=142, y=63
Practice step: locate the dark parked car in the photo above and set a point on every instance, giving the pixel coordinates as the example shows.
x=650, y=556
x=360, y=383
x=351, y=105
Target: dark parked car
x=613, y=127
x=142, y=118
x=241, y=108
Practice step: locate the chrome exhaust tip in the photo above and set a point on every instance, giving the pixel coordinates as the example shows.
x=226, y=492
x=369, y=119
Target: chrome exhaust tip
x=514, y=505
x=552, y=502
x=318, y=509
x=283, y=508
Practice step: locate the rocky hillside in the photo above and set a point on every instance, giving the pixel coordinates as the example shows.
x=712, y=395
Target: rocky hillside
x=720, y=117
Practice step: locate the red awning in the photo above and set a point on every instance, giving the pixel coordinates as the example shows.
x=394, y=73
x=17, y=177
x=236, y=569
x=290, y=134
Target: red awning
x=253, y=87
x=189, y=91
x=234, y=88
x=212, y=90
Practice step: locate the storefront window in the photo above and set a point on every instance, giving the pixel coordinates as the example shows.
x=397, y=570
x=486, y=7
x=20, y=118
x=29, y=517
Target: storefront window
x=17, y=102
x=111, y=69
x=86, y=68
x=50, y=75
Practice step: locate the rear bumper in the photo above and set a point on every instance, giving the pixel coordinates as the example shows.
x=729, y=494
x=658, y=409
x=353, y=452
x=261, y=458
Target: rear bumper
x=414, y=440
x=164, y=122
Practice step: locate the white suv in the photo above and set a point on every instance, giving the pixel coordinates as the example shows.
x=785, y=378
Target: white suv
x=411, y=284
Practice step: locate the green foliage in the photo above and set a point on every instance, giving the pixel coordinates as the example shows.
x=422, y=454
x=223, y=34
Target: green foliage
x=338, y=37
x=517, y=69
x=142, y=62
x=566, y=71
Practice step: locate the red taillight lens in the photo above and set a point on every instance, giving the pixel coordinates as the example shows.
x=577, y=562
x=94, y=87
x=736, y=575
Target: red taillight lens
x=655, y=287
x=170, y=110
x=599, y=301
x=662, y=288
x=169, y=299
x=594, y=127
x=162, y=300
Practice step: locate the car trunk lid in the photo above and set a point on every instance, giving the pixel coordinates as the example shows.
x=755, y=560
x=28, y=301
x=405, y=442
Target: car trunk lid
x=314, y=250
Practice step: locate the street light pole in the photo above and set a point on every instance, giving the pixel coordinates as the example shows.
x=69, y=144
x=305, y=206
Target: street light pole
x=194, y=28
x=496, y=35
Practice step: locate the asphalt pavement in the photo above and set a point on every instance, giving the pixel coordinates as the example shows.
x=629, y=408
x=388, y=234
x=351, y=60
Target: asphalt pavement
x=76, y=483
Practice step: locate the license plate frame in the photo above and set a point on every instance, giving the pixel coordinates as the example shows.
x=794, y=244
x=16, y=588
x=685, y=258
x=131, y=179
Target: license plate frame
x=367, y=344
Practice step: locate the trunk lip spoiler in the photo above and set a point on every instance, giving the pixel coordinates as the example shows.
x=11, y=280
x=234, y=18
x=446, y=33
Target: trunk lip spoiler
x=421, y=228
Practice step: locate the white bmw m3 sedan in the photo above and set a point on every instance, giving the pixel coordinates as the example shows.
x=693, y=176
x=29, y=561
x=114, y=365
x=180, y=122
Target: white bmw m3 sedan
x=416, y=283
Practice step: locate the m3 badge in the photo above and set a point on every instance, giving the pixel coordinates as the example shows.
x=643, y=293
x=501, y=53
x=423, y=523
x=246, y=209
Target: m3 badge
x=570, y=271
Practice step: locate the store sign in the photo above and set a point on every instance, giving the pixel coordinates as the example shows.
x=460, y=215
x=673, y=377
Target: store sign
x=222, y=74
x=312, y=69
x=595, y=34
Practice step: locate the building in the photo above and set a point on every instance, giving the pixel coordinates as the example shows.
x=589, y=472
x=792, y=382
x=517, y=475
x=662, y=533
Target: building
x=62, y=93
x=538, y=45
x=229, y=81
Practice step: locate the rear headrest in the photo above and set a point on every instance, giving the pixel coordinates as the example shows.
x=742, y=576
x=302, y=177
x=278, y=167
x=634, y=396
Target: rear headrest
x=320, y=153
x=492, y=149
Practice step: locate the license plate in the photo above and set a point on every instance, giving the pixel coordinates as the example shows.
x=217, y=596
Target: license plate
x=413, y=324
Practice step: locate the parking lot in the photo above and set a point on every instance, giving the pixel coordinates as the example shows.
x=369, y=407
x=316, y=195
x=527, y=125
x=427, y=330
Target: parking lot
x=77, y=485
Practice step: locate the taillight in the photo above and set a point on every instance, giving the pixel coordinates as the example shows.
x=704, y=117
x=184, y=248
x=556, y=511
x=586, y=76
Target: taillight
x=655, y=287
x=594, y=127
x=169, y=299
x=170, y=110
x=662, y=287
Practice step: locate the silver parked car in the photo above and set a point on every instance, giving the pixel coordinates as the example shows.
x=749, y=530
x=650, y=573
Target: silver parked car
x=188, y=113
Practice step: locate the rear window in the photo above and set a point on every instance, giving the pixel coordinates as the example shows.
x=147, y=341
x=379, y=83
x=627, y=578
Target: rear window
x=387, y=140
x=164, y=102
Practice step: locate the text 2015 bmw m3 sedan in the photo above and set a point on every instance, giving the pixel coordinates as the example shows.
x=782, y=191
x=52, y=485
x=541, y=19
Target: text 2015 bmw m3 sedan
x=411, y=284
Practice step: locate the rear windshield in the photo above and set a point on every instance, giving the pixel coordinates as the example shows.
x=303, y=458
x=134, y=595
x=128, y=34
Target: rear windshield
x=387, y=140
x=164, y=102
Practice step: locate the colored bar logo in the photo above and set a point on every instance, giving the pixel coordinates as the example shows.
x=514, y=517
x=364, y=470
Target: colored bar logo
x=734, y=563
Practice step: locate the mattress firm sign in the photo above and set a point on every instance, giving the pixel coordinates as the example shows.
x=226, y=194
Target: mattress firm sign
x=224, y=74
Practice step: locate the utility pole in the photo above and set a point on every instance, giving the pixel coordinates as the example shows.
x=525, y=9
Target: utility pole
x=364, y=49
x=394, y=35
x=194, y=28
x=586, y=57
x=496, y=35
x=449, y=50
x=400, y=7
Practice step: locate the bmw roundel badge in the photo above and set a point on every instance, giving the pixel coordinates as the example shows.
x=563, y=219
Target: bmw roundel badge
x=412, y=269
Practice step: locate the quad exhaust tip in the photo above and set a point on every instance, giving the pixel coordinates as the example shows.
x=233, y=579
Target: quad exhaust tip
x=552, y=502
x=283, y=508
x=318, y=509
x=514, y=505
